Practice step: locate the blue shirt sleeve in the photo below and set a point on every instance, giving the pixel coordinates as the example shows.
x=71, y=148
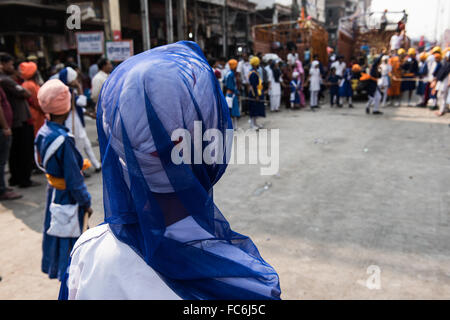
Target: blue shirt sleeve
x=72, y=163
x=230, y=82
x=254, y=82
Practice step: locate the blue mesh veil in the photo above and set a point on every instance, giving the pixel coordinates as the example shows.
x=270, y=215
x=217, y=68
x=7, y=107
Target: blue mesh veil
x=165, y=211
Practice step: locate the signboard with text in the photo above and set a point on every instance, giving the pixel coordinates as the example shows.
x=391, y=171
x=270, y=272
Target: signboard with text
x=119, y=50
x=90, y=42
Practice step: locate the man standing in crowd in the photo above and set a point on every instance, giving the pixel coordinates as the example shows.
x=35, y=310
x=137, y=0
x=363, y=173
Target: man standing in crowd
x=339, y=65
x=93, y=69
x=397, y=41
x=22, y=151
x=243, y=71
x=105, y=67
x=232, y=92
x=256, y=94
x=394, y=91
x=75, y=121
x=29, y=73
x=6, y=119
x=442, y=85
x=410, y=69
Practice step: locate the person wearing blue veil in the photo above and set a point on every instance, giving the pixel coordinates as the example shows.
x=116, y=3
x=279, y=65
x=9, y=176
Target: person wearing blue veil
x=163, y=237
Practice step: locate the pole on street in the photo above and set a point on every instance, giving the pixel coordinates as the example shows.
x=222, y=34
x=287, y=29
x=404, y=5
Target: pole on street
x=169, y=21
x=107, y=25
x=181, y=20
x=114, y=16
x=195, y=21
x=145, y=25
x=225, y=29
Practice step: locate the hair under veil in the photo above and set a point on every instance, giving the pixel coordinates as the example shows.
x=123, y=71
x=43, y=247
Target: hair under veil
x=164, y=211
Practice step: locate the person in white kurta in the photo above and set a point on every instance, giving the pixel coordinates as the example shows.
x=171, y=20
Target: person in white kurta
x=75, y=126
x=82, y=141
x=315, y=80
x=443, y=88
x=274, y=89
x=105, y=67
x=383, y=82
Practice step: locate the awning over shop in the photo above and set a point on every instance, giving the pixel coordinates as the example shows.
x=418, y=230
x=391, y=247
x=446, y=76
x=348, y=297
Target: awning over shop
x=31, y=18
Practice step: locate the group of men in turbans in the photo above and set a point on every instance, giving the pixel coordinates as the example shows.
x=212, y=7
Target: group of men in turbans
x=252, y=80
x=21, y=117
x=426, y=74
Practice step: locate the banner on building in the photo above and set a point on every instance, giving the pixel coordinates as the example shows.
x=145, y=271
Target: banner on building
x=119, y=50
x=91, y=42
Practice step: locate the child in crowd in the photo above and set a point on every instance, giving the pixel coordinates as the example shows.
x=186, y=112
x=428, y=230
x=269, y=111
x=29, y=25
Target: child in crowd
x=295, y=91
x=345, y=88
x=333, y=82
x=68, y=200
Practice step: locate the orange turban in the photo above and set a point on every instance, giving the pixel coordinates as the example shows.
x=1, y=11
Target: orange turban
x=54, y=97
x=423, y=56
x=27, y=70
x=438, y=56
x=232, y=63
x=356, y=68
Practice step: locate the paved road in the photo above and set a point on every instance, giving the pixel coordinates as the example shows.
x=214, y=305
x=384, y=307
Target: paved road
x=360, y=209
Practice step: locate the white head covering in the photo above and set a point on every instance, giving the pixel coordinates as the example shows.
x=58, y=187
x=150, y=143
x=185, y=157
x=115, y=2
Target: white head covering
x=71, y=75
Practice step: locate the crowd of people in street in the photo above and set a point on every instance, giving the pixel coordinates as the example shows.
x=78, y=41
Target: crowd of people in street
x=388, y=76
x=22, y=116
x=43, y=131
x=43, y=128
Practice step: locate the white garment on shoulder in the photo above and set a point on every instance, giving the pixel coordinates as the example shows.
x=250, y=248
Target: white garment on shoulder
x=105, y=268
x=244, y=69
